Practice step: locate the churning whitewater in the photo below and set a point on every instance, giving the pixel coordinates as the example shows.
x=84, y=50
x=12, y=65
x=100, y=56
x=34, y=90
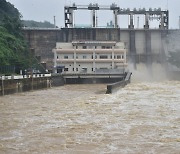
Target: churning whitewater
x=140, y=118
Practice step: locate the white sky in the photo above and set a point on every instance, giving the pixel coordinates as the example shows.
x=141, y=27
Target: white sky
x=41, y=10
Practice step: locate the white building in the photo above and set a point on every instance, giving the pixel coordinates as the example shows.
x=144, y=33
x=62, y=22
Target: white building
x=89, y=57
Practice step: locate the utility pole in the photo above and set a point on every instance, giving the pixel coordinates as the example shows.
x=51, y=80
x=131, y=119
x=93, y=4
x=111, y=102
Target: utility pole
x=54, y=21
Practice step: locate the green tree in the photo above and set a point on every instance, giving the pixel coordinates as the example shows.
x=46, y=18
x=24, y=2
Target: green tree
x=13, y=48
x=31, y=23
x=13, y=25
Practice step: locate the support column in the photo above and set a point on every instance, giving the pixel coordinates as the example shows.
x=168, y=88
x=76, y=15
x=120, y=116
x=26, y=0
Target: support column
x=74, y=58
x=162, y=21
x=55, y=61
x=113, y=57
x=163, y=57
x=93, y=18
x=131, y=22
x=125, y=60
x=132, y=47
x=146, y=25
x=68, y=13
x=71, y=20
x=148, y=49
x=115, y=19
x=94, y=57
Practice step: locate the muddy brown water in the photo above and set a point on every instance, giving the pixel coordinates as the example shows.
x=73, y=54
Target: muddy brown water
x=140, y=118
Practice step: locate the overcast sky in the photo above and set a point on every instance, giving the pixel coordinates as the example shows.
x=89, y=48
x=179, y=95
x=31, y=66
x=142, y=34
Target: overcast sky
x=41, y=10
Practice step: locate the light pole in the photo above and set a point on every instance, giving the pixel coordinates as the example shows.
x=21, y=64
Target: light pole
x=54, y=21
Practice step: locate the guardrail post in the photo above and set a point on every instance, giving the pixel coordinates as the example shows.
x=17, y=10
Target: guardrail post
x=2, y=86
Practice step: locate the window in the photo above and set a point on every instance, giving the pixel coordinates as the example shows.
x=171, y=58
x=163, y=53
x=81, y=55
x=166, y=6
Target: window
x=103, y=57
x=90, y=47
x=103, y=68
x=84, y=57
x=108, y=47
x=65, y=57
x=57, y=57
x=73, y=69
x=92, y=69
x=76, y=69
x=76, y=47
x=84, y=47
x=118, y=56
x=84, y=70
x=65, y=69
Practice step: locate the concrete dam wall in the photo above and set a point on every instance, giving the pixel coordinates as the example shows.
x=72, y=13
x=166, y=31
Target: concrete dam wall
x=144, y=45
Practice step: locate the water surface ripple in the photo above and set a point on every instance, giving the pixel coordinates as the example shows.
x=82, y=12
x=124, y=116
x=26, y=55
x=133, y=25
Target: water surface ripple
x=140, y=118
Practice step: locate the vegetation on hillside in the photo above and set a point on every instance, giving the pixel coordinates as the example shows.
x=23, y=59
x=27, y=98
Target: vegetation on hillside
x=32, y=24
x=13, y=49
x=7, y=9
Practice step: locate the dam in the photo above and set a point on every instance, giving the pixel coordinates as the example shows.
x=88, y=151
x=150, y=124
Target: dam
x=159, y=41
x=143, y=117
x=145, y=45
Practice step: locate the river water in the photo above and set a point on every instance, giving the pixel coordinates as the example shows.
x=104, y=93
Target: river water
x=140, y=118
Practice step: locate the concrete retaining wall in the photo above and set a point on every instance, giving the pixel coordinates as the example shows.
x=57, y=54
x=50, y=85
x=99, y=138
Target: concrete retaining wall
x=16, y=84
x=57, y=80
x=115, y=86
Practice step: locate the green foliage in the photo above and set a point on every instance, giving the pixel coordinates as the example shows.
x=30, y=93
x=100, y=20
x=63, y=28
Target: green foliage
x=7, y=9
x=13, y=25
x=31, y=23
x=174, y=58
x=13, y=49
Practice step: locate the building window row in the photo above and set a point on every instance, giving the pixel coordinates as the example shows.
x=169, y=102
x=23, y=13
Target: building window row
x=91, y=47
x=83, y=70
x=100, y=57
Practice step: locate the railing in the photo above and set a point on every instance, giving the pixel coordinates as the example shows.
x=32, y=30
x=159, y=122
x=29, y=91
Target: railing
x=18, y=77
x=90, y=50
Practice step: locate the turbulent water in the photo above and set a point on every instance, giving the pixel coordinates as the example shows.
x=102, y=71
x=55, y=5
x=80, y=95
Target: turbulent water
x=140, y=118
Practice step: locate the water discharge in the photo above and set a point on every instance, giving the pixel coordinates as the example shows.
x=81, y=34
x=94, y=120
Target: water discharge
x=140, y=118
